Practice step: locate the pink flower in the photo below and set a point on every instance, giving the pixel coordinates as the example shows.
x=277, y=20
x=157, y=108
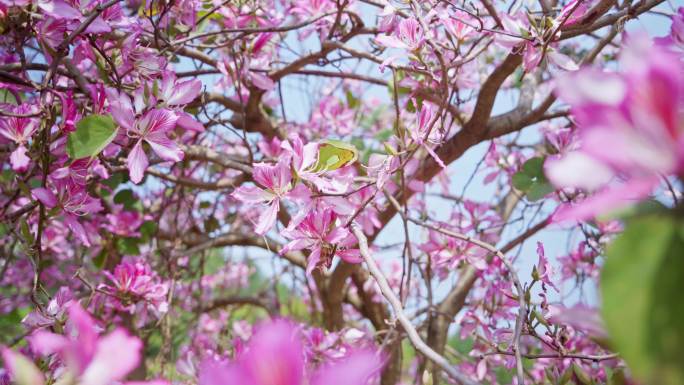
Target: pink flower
x=270, y=148
x=515, y=26
x=312, y=7
x=19, y=130
x=21, y=369
x=638, y=114
x=409, y=36
x=677, y=29
x=52, y=31
x=275, y=356
x=387, y=19
x=275, y=181
x=542, y=271
x=381, y=167
x=133, y=282
x=411, y=33
x=334, y=116
x=54, y=311
x=152, y=128
x=448, y=253
x=91, y=358
x=19, y=160
x=425, y=132
x=59, y=9
x=304, y=161
x=456, y=24
x=175, y=93
x=324, y=237
x=572, y=12
x=521, y=36
x=73, y=199
x=124, y=223
x=579, y=317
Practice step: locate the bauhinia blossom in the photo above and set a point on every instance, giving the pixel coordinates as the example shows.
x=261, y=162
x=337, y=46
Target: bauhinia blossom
x=88, y=358
x=19, y=130
x=424, y=133
x=134, y=282
x=276, y=184
x=637, y=111
x=275, y=356
x=74, y=201
x=320, y=232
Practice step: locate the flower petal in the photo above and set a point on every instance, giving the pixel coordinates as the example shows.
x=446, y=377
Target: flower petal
x=185, y=92
x=252, y=194
x=21, y=369
x=159, y=120
x=166, y=148
x=275, y=355
x=117, y=355
x=355, y=369
x=19, y=160
x=611, y=199
x=137, y=163
x=45, y=196
x=215, y=373
x=267, y=218
x=350, y=256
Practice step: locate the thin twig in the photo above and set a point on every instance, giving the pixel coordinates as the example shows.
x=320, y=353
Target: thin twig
x=522, y=311
x=389, y=295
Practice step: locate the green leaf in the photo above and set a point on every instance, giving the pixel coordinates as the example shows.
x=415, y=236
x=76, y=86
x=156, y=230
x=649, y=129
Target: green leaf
x=26, y=232
x=93, y=133
x=352, y=101
x=128, y=246
x=7, y=97
x=531, y=180
x=521, y=181
x=211, y=224
x=534, y=167
x=334, y=154
x=126, y=198
x=641, y=284
x=582, y=376
x=147, y=230
x=538, y=191
x=503, y=375
x=384, y=135
x=617, y=377
x=565, y=377
x=10, y=324
x=115, y=179
x=100, y=259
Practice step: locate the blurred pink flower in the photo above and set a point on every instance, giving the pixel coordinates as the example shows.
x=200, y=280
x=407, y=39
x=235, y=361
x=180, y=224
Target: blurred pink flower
x=275, y=356
x=89, y=357
x=637, y=113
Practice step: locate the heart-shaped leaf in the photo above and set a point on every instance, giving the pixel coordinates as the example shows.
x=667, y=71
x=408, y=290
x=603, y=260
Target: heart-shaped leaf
x=93, y=133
